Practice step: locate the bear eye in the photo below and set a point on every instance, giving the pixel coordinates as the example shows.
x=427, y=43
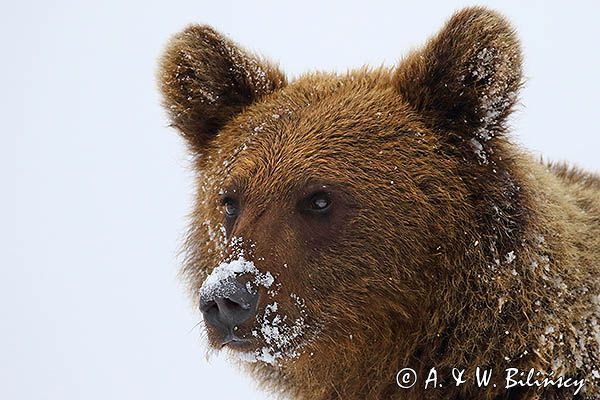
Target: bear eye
x=319, y=202
x=231, y=207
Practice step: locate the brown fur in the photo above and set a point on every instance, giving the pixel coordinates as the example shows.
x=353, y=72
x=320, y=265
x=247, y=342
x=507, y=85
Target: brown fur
x=447, y=246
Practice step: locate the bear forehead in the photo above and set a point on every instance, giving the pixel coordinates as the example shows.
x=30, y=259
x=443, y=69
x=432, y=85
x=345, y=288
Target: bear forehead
x=321, y=126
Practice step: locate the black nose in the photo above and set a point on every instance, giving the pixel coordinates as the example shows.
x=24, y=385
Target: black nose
x=228, y=305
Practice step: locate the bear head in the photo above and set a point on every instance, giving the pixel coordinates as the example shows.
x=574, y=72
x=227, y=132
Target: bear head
x=333, y=211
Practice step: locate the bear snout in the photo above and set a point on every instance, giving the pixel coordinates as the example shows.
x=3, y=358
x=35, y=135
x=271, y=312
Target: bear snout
x=227, y=305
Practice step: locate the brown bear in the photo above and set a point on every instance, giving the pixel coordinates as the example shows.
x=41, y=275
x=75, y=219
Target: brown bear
x=375, y=234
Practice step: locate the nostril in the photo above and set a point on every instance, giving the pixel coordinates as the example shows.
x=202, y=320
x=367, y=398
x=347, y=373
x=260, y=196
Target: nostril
x=209, y=307
x=233, y=311
x=229, y=303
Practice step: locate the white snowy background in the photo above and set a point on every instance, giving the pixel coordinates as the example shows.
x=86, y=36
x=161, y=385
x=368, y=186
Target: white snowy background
x=98, y=187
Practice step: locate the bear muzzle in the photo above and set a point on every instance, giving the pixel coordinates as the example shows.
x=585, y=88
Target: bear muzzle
x=227, y=305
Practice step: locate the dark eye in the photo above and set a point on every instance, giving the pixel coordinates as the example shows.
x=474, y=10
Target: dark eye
x=319, y=202
x=231, y=207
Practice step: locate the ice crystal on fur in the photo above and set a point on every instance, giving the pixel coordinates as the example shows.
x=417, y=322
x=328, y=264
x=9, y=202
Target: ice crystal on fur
x=281, y=334
x=213, y=284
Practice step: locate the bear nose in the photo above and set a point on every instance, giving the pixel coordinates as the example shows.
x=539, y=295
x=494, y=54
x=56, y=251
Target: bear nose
x=228, y=305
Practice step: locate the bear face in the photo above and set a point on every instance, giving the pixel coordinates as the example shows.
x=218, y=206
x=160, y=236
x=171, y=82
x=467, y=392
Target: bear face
x=295, y=194
x=345, y=218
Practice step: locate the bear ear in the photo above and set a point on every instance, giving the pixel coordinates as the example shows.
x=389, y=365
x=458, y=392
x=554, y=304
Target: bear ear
x=466, y=78
x=206, y=79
